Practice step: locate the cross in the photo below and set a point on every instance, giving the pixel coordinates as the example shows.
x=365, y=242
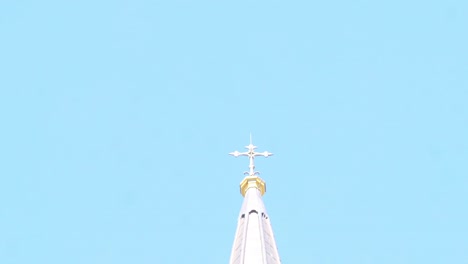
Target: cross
x=251, y=154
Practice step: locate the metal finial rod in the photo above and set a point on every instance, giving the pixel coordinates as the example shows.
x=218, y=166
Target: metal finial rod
x=251, y=153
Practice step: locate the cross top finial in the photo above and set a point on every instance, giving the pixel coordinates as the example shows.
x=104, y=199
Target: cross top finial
x=251, y=153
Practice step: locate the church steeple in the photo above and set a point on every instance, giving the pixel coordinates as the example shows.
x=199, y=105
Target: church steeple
x=254, y=242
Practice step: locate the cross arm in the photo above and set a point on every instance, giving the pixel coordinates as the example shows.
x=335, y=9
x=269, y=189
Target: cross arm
x=237, y=153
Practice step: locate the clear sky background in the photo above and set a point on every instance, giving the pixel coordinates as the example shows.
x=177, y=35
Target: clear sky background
x=117, y=117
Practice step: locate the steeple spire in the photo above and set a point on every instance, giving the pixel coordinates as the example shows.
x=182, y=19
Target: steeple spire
x=254, y=242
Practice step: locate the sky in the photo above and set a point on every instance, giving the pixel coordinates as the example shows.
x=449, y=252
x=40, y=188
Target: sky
x=117, y=118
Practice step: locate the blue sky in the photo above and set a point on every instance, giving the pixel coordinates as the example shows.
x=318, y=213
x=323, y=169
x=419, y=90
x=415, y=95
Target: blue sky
x=117, y=117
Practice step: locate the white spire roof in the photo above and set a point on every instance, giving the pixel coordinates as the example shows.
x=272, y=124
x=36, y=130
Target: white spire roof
x=254, y=242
